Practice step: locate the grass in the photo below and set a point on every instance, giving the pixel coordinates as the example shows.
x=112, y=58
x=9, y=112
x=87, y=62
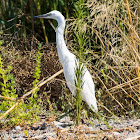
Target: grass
x=79, y=70
x=79, y=73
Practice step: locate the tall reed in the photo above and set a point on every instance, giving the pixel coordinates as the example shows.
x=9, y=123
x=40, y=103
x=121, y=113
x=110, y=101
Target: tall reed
x=17, y=16
x=80, y=42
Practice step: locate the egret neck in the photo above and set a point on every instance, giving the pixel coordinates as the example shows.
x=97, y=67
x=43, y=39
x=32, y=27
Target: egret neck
x=60, y=42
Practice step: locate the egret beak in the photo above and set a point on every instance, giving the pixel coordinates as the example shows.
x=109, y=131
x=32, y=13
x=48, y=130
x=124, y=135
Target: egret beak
x=43, y=16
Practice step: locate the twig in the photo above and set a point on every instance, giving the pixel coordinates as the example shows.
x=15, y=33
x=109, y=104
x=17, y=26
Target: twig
x=42, y=83
x=106, y=109
x=8, y=111
x=7, y=98
x=28, y=93
x=52, y=25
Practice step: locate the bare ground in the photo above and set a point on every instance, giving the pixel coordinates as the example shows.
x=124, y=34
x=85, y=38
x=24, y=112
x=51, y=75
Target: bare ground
x=48, y=129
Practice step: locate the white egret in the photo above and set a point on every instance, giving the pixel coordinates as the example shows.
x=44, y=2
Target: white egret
x=68, y=61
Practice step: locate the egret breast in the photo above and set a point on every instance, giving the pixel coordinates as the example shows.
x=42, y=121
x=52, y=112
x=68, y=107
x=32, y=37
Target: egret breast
x=69, y=73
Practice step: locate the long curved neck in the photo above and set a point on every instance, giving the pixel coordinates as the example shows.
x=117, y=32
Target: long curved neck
x=60, y=42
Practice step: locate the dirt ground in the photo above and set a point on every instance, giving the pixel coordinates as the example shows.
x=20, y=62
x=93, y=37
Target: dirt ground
x=48, y=129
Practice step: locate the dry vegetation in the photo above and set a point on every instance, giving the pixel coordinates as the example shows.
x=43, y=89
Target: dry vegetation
x=24, y=63
x=115, y=56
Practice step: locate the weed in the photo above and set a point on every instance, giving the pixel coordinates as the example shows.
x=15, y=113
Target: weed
x=80, y=39
x=79, y=73
x=7, y=86
x=34, y=102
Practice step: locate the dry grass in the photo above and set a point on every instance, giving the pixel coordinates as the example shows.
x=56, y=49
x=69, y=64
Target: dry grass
x=114, y=35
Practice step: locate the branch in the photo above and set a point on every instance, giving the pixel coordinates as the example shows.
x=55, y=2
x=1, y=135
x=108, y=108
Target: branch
x=7, y=98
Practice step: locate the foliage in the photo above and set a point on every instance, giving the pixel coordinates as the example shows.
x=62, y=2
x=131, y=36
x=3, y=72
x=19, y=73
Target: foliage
x=34, y=103
x=79, y=73
x=7, y=86
x=28, y=110
x=8, y=90
x=38, y=65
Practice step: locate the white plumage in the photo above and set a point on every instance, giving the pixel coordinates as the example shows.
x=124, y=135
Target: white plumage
x=67, y=60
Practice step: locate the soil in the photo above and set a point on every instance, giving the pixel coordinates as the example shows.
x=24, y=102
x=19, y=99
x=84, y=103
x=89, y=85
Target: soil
x=48, y=129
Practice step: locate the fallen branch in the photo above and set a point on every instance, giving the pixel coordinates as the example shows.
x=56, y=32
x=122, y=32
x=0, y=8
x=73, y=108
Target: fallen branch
x=28, y=93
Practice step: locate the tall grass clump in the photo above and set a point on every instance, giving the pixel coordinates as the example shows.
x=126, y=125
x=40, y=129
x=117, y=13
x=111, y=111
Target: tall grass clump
x=112, y=53
x=79, y=73
x=80, y=42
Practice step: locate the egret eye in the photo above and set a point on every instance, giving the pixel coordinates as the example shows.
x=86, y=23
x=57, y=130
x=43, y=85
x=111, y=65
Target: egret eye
x=49, y=14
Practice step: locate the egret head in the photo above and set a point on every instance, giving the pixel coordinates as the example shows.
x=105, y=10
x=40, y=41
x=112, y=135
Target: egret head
x=53, y=15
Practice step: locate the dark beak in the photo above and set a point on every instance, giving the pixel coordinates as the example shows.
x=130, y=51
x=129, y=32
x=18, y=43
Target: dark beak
x=42, y=16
